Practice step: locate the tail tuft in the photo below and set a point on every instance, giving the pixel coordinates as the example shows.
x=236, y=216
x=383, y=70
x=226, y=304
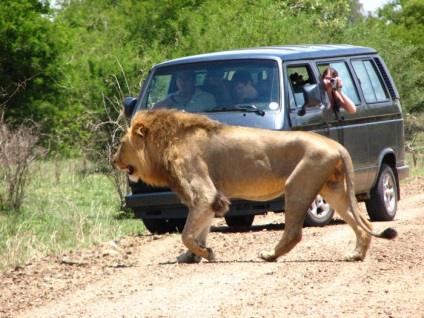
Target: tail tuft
x=389, y=233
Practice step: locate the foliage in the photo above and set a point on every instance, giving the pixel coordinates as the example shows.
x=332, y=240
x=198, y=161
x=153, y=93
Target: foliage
x=403, y=20
x=59, y=65
x=414, y=134
x=101, y=150
x=18, y=150
x=70, y=207
x=30, y=45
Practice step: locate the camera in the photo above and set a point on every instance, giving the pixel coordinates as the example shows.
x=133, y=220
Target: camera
x=334, y=83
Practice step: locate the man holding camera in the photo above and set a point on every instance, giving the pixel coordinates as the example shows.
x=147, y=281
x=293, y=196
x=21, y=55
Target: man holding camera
x=333, y=86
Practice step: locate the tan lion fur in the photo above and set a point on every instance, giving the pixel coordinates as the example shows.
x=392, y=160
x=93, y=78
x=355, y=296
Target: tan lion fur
x=206, y=163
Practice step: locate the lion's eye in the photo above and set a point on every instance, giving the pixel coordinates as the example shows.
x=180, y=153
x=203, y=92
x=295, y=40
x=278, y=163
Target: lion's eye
x=130, y=170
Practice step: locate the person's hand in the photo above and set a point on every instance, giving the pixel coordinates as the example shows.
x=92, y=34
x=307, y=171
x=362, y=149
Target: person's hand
x=339, y=83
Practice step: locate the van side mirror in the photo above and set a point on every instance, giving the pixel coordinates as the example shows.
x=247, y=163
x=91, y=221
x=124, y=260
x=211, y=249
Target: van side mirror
x=312, y=96
x=129, y=106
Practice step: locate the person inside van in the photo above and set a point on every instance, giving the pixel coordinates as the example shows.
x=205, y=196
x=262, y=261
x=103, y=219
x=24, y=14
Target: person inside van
x=188, y=97
x=244, y=90
x=333, y=86
x=216, y=84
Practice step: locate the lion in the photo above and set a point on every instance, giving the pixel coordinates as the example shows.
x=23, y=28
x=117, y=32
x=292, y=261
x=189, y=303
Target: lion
x=206, y=163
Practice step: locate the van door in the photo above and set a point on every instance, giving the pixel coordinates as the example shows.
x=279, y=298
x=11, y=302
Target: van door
x=353, y=128
x=298, y=76
x=349, y=132
x=384, y=120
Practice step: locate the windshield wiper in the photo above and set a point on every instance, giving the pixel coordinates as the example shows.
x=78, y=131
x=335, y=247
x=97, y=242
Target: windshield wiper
x=241, y=108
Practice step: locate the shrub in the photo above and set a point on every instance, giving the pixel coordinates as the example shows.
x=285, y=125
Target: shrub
x=18, y=149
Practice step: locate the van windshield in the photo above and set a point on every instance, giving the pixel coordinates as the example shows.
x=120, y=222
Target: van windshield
x=215, y=86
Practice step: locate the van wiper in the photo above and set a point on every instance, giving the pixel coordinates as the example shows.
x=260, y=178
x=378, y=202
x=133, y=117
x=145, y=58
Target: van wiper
x=240, y=108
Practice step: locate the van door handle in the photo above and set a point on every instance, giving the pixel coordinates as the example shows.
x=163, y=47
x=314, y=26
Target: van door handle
x=326, y=125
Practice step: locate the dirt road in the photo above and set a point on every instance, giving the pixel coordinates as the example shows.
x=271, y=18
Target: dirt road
x=138, y=277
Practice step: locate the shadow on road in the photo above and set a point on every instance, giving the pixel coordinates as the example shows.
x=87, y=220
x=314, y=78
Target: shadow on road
x=260, y=227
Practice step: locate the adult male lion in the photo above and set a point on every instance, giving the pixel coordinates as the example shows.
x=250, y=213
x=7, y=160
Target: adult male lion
x=205, y=163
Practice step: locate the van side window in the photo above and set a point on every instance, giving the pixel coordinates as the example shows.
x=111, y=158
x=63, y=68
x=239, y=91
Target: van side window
x=348, y=84
x=299, y=76
x=370, y=82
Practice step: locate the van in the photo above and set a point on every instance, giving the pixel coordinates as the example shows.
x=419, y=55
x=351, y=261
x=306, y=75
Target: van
x=292, y=97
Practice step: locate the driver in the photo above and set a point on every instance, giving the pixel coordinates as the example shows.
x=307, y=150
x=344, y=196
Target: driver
x=188, y=97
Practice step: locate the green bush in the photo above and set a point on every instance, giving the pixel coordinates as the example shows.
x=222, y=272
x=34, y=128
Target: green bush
x=68, y=207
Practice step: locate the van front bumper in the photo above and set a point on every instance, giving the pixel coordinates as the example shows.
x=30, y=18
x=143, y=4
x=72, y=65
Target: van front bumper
x=166, y=205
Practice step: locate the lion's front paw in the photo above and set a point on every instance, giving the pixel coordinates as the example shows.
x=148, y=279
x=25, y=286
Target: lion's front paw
x=267, y=256
x=189, y=258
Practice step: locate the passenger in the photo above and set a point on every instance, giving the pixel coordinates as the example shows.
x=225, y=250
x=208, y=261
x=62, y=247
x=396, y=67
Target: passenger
x=188, y=97
x=243, y=87
x=216, y=84
x=336, y=95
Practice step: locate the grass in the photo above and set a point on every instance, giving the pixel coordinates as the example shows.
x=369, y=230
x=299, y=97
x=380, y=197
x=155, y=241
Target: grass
x=64, y=209
x=415, y=171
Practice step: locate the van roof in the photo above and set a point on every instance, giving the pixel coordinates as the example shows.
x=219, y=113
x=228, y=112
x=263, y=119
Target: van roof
x=284, y=52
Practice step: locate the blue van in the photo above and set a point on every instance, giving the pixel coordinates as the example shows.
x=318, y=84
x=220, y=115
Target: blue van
x=292, y=97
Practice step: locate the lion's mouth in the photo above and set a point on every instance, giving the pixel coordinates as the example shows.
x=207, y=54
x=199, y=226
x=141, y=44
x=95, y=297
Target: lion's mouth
x=130, y=170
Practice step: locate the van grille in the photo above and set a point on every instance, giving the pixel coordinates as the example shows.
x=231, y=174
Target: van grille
x=385, y=78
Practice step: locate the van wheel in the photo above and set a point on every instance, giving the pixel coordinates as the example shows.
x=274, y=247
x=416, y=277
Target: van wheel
x=240, y=220
x=161, y=226
x=320, y=213
x=382, y=204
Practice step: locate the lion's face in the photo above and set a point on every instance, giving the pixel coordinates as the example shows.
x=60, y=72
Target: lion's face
x=126, y=158
x=138, y=154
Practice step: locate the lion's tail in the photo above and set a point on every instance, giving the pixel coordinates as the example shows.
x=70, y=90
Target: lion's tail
x=388, y=233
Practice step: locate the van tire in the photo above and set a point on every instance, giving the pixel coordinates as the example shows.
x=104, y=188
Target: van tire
x=162, y=226
x=319, y=214
x=240, y=220
x=382, y=204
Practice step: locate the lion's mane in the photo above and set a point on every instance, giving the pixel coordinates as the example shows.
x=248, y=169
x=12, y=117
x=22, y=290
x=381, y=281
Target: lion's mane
x=162, y=130
x=172, y=124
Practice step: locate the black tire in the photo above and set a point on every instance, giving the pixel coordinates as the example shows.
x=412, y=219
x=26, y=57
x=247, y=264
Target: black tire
x=382, y=204
x=240, y=220
x=319, y=214
x=161, y=226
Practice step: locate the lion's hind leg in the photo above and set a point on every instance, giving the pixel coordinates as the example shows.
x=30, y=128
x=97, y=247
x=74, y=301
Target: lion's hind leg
x=291, y=236
x=297, y=202
x=338, y=200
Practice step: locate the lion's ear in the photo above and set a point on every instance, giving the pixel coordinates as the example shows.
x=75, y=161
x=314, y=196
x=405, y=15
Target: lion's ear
x=139, y=129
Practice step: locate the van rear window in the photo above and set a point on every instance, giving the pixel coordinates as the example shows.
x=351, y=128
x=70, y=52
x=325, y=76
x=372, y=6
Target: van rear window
x=370, y=81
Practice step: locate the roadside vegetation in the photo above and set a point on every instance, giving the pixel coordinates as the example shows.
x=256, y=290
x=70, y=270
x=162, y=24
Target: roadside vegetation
x=414, y=134
x=66, y=69
x=68, y=205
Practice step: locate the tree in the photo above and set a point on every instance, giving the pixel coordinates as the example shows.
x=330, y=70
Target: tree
x=61, y=65
x=403, y=20
x=30, y=44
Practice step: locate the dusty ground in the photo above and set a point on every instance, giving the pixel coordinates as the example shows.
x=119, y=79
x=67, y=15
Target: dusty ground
x=138, y=276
